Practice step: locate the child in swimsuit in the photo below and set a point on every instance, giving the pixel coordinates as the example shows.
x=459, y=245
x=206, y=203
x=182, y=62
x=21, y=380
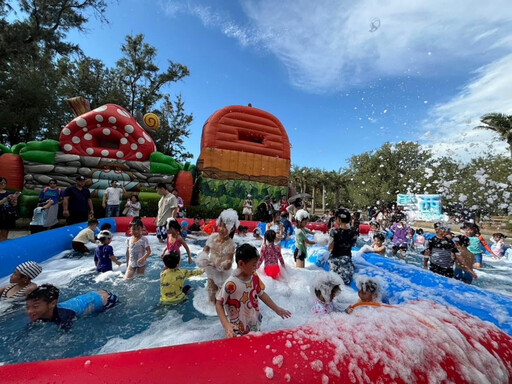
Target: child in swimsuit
x=175, y=240
x=476, y=241
x=368, y=292
x=377, y=246
x=326, y=286
x=42, y=305
x=498, y=244
x=21, y=284
x=271, y=255
x=137, y=251
x=104, y=254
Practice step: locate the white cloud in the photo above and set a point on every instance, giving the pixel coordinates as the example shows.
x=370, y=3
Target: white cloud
x=451, y=124
x=327, y=44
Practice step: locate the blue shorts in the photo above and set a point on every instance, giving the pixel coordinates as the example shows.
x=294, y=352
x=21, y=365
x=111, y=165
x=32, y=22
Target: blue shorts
x=478, y=258
x=84, y=304
x=462, y=275
x=161, y=232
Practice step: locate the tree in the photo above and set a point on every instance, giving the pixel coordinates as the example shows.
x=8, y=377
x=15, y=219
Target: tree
x=499, y=123
x=32, y=47
x=174, y=128
x=142, y=77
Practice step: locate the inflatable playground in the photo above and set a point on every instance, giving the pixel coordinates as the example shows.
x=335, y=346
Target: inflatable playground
x=427, y=328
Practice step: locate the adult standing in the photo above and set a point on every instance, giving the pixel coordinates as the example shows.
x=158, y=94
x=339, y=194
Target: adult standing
x=293, y=208
x=166, y=207
x=51, y=192
x=8, y=203
x=77, y=203
x=112, y=199
x=266, y=210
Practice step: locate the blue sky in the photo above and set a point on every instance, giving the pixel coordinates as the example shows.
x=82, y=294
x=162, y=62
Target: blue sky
x=427, y=74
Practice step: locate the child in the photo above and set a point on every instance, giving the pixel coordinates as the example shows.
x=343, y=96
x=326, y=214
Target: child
x=247, y=209
x=419, y=240
x=271, y=255
x=137, y=251
x=221, y=248
x=184, y=229
x=208, y=227
x=239, y=295
x=498, y=246
x=276, y=225
x=301, y=241
x=242, y=231
x=42, y=305
x=341, y=241
x=463, y=261
x=326, y=286
x=287, y=226
x=105, y=227
x=21, y=284
x=475, y=242
x=39, y=223
x=84, y=236
x=175, y=240
x=368, y=292
x=172, y=279
x=196, y=227
x=400, y=234
x=256, y=233
x=377, y=246
x=374, y=229
x=104, y=254
x=132, y=207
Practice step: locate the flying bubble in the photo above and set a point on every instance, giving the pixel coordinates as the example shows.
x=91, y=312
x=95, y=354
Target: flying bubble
x=374, y=24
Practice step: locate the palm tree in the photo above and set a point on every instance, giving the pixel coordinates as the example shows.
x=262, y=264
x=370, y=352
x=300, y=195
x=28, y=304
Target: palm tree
x=499, y=123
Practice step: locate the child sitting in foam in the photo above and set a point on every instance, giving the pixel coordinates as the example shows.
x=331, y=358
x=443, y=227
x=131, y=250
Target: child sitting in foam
x=325, y=287
x=377, y=246
x=368, y=292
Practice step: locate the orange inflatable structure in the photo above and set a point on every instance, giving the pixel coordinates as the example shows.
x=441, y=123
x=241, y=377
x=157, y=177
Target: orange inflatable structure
x=245, y=143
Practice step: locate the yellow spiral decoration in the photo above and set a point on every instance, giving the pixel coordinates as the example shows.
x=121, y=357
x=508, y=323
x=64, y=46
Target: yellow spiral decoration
x=151, y=121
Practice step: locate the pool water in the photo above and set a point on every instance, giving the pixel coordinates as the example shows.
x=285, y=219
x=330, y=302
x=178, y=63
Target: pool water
x=139, y=321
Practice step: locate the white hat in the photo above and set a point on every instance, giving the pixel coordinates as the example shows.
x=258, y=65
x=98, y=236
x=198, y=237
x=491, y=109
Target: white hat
x=105, y=234
x=301, y=215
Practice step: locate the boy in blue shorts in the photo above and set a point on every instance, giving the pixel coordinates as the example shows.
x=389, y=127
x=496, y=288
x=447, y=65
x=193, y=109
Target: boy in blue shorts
x=42, y=305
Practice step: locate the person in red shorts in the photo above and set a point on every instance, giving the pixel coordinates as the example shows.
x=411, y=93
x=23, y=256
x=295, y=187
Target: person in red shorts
x=271, y=255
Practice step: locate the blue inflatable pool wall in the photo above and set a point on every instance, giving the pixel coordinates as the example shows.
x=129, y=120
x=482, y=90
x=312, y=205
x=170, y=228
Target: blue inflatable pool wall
x=40, y=246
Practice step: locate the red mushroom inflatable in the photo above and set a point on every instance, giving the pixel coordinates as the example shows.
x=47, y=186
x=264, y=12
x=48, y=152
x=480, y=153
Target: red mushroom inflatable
x=108, y=131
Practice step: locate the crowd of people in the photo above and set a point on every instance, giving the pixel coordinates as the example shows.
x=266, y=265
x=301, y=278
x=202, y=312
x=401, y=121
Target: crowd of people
x=228, y=288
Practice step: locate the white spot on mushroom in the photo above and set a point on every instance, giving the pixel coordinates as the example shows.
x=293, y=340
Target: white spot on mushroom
x=141, y=140
x=127, y=134
x=138, y=155
x=114, y=127
x=123, y=141
x=81, y=122
x=106, y=131
x=128, y=128
x=98, y=125
x=85, y=129
x=88, y=136
x=112, y=120
x=66, y=131
x=134, y=146
x=120, y=154
x=68, y=147
x=148, y=138
x=99, y=118
x=101, y=109
x=75, y=139
x=104, y=152
x=122, y=113
x=89, y=151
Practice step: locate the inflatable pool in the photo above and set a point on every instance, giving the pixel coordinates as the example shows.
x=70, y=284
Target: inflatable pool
x=421, y=342
x=419, y=283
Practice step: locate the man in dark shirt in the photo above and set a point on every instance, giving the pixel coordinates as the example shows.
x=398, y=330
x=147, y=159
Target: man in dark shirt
x=42, y=305
x=77, y=203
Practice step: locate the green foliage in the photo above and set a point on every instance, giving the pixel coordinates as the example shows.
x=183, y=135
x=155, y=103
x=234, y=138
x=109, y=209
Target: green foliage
x=499, y=123
x=4, y=149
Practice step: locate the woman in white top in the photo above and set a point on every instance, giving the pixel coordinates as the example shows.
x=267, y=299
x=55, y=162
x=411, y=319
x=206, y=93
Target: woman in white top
x=132, y=207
